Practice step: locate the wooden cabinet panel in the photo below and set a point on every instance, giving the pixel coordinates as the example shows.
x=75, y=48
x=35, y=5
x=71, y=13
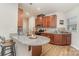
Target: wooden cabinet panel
x=68, y=39
x=47, y=21
x=62, y=39
x=39, y=21
x=36, y=50
x=53, y=21
x=58, y=39
x=44, y=22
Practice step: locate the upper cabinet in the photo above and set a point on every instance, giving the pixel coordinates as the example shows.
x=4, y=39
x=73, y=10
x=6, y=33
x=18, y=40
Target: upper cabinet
x=53, y=21
x=39, y=21
x=44, y=21
x=47, y=21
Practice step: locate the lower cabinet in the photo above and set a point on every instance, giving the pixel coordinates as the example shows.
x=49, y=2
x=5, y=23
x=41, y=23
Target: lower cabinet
x=66, y=39
x=36, y=50
x=59, y=39
x=56, y=39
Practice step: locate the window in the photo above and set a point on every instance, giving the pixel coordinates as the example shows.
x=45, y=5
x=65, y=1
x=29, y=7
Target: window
x=72, y=24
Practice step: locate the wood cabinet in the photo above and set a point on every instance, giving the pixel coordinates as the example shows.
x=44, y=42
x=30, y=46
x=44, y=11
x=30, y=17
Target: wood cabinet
x=46, y=21
x=36, y=50
x=51, y=21
x=62, y=39
x=39, y=21
x=67, y=38
x=59, y=39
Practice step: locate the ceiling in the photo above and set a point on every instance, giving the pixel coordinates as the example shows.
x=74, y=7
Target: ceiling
x=47, y=8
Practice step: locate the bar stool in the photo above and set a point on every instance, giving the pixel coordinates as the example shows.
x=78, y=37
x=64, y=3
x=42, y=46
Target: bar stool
x=8, y=48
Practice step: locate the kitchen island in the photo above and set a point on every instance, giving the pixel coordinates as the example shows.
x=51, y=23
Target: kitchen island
x=26, y=46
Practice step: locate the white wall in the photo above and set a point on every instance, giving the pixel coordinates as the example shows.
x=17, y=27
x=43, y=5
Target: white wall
x=75, y=35
x=8, y=19
x=31, y=23
x=61, y=16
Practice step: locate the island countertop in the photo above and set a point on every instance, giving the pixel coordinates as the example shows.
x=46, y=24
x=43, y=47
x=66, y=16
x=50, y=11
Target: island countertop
x=40, y=40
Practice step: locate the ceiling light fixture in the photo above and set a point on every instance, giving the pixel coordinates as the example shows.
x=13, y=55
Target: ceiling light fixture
x=39, y=9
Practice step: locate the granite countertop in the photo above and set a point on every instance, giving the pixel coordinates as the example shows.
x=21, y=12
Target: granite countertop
x=40, y=40
x=57, y=32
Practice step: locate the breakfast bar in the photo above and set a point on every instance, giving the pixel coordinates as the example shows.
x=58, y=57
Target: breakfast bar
x=32, y=46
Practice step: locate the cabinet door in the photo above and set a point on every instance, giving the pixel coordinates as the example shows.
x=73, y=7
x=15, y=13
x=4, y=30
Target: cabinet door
x=38, y=21
x=68, y=39
x=53, y=21
x=36, y=50
x=57, y=39
x=64, y=39
x=49, y=21
x=44, y=22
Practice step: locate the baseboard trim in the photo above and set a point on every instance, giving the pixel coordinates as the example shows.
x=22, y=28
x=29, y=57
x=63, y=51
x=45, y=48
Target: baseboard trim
x=75, y=47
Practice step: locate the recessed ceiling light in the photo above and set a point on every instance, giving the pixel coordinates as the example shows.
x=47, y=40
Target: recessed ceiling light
x=39, y=9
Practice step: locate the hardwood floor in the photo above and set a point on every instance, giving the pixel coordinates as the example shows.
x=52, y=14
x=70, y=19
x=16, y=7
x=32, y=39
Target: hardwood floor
x=54, y=50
